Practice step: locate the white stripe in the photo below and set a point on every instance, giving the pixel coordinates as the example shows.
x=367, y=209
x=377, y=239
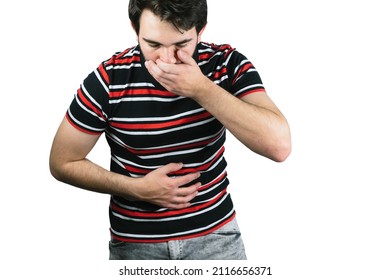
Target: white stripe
x=183, y=152
x=245, y=61
x=220, y=132
x=128, y=162
x=203, y=192
x=118, y=162
x=248, y=88
x=88, y=110
x=207, y=49
x=132, y=52
x=131, y=85
x=206, y=161
x=212, y=188
x=187, y=165
x=86, y=92
x=211, y=57
x=159, y=118
x=125, y=66
x=121, y=143
x=83, y=124
x=184, y=166
x=174, y=234
x=224, y=77
x=158, y=132
x=122, y=160
x=101, y=80
x=145, y=99
x=175, y=218
x=219, y=67
x=124, y=168
x=248, y=71
x=135, y=208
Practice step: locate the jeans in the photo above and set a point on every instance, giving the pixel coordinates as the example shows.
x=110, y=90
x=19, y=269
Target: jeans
x=223, y=244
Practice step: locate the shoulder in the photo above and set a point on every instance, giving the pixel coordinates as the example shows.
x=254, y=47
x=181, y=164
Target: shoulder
x=115, y=69
x=210, y=50
x=128, y=56
x=220, y=53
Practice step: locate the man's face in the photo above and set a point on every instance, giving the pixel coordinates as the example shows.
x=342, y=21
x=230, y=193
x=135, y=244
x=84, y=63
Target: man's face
x=161, y=40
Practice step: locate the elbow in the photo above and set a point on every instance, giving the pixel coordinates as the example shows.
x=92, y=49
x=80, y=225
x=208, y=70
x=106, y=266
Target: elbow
x=282, y=153
x=282, y=146
x=276, y=152
x=279, y=150
x=55, y=169
x=283, y=149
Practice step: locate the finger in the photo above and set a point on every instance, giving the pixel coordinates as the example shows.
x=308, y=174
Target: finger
x=167, y=68
x=152, y=67
x=171, y=168
x=185, y=199
x=188, y=192
x=185, y=179
x=159, y=75
x=185, y=58
x=177, y=206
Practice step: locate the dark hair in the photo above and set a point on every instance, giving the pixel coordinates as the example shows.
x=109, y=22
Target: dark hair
x=183, y=14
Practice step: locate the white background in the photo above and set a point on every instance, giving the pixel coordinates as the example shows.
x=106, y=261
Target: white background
x=322, y=214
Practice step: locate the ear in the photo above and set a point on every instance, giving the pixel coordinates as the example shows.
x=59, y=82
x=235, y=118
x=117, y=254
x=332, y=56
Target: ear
x=200, y=33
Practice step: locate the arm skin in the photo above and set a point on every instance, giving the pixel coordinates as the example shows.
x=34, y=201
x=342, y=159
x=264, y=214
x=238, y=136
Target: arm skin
x=68, y=163
x=254, y=119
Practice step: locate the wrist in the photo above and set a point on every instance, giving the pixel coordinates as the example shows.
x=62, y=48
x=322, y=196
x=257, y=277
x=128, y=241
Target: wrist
x=203, y=90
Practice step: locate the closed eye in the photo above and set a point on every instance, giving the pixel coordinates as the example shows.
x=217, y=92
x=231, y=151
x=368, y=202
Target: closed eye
x=181, y=45
x=154, y=46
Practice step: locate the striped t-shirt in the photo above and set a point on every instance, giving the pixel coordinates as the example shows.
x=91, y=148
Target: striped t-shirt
x=147, y=127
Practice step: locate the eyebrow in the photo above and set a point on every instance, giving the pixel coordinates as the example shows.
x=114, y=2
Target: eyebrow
x=158, y=43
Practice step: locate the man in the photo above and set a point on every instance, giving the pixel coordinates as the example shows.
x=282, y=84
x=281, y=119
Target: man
x=164, y=106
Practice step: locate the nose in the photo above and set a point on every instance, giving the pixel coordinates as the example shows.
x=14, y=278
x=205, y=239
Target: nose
x=168, y=54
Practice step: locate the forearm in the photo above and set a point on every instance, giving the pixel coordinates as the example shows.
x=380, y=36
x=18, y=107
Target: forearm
x=156, y=187
x=87, y=175
x=263, y=130
x=254, y=119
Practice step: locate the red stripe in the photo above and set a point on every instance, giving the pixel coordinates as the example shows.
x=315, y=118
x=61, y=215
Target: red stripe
x=214, y=182
x=172, y=213
x=80, y=128
x=205, y=56
x=134, y=240
x=116, y=60
x=183, y=171
x=147, y=126
x=224, y=48
x=203, y=167
x=122, y=61
x=88, y=103
x=130, y=92
x=220, y=73
x=243, y=69
x=103, y=74
x=175, y=148
x=251, y=91
x=142, y=171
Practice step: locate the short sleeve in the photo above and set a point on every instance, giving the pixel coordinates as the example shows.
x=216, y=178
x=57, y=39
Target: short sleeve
x=243, y=76
x=88, y=110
